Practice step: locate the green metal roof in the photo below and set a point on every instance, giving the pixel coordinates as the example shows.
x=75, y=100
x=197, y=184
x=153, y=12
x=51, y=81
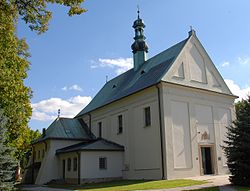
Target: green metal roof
x=150, y=73
x=99, y=144
x=65, y=128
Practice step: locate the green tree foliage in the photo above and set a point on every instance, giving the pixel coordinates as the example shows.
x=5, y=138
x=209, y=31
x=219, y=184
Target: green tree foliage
x=8, y=164
x=238, y=145
x=14, y=95
x=36, y=14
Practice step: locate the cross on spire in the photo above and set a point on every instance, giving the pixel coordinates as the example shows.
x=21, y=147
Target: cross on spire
x=138, y=11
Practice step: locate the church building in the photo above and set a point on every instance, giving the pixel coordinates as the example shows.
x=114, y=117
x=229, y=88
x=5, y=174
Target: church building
x=165, y=118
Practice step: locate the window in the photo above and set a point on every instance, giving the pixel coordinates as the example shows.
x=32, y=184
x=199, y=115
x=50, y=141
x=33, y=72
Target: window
x=100, y=129
x=120, y=125
x=39, y=154
x=102, y=163
x=43, y=153
x=34, y=155
x=147, y=116
x=75, y=164
x=69, y=164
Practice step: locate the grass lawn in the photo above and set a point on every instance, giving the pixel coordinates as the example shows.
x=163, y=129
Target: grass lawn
x=127, y=185
x=242, y=188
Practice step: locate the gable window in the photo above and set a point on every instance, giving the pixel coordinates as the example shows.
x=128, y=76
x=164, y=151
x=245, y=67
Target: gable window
x=100, y=129
x=147, y=116
x=120, y=124
x=75, y=164
x=102, y=163
x=69, y=164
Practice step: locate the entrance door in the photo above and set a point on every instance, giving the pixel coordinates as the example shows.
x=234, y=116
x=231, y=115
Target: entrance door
x=206, y=156
x=63, y=169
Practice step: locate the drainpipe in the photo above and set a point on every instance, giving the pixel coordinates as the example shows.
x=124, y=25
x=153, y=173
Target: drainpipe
x=161, y=136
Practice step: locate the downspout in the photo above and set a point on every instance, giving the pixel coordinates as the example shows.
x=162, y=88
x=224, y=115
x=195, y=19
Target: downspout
x=79, y=167
x=161, y=137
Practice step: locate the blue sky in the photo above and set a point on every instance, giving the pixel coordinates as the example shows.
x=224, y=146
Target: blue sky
x=70, y=62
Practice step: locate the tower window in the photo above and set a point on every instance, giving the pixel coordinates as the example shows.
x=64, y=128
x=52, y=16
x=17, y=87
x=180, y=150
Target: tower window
x=102, y=163
x=120, y=124
x=147, y=116
x=100, y=129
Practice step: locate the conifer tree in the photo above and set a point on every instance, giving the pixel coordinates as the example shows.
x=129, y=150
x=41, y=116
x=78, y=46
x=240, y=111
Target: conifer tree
x=8, y=164
x=238, y=145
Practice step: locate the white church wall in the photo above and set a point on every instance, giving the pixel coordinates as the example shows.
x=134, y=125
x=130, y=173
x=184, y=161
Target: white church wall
x=204, y=123
x=90, y=165
x=71, y=175
x=223, y=120
x=201, y=107
x=181, y=135
x=50, y=167
x=142, y=144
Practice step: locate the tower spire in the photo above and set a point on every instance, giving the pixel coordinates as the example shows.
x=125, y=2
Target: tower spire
x=139, y=47
x=138, y=11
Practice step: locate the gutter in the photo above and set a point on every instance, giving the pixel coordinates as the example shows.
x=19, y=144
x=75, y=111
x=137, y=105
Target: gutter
x=161, y=136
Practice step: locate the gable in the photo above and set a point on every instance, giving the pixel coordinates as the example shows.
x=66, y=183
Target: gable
x=132, y=81
x=194, y=68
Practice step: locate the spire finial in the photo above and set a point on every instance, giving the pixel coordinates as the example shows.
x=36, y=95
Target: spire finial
x=192, y=31
x=138, y=11
x=58, y=113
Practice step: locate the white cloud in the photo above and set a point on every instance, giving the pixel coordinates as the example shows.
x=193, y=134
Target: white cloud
x=236, y=90
x=46, y=110
x=225, y=64
x=244, y=60
x=73, y=87
x=120, y=65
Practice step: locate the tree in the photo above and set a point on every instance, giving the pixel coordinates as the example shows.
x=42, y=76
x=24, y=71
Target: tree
x=36, y=14
x=15, y=96
x=8, y=164
x=238, y=145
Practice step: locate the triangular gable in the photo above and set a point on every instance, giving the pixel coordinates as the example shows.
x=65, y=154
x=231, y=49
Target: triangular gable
x=193, y=67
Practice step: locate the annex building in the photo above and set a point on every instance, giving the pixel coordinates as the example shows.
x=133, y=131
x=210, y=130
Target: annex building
x=165, y=118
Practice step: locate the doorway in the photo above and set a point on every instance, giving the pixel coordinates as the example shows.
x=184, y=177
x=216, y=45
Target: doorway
x=206, y=160
x=63, y=166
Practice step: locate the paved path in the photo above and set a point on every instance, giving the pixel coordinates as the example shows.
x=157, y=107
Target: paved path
x=213, y=181
x=41, y=188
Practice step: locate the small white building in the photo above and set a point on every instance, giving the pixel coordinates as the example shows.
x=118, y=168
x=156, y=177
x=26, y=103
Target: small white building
x=164, y=119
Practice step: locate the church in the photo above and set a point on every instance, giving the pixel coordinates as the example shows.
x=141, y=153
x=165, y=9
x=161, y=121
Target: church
x=165, y=118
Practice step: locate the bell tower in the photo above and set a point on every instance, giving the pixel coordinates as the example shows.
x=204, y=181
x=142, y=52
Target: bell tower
x=139, y=47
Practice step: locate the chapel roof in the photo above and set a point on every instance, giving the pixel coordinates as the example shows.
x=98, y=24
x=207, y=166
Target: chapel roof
x=99, y=144
x=65, y=128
